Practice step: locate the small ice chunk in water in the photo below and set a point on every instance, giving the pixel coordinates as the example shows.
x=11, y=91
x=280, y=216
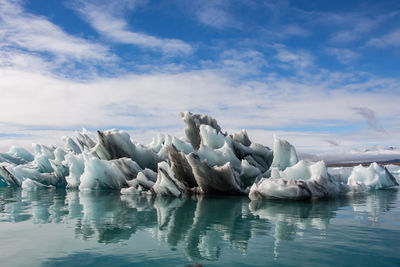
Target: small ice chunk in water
x=301, y=181
x=373, y=177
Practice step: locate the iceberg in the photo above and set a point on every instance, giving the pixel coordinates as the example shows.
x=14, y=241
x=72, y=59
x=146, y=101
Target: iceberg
x=181, y=167
x=15, y=175
x=284, y=154
x=17, y=155
x=161, y=143
x=205, y=161
x=241, y=137
x=143, y=183
x=85, y=141
x=113, y=144
x=111, y=174
x=166, y=183
x=70, y=145
x=9, y=178
x=76, y=168
x=395, y=171
x=46, y=167
x=214, y=180
x=193, y=123
x=305, y=180
x=372, y=177
x=220, y=156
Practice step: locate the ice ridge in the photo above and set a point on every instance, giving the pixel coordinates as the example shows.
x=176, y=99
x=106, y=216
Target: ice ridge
x=206, y=161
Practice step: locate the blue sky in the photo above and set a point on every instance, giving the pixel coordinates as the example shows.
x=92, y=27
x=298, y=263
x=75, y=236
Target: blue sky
x=322, y=74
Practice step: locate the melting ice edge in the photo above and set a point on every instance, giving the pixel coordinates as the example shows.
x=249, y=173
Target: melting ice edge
x=207, y=161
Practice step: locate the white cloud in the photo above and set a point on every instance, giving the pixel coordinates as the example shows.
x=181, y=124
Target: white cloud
x=108, y=21
x=276, y=32
x=23, y=61
x=343, y=55
x=391, y=39
x=293, y=30
x=240, y=63
x=151, y=103
x=214, y=13
x=300, y=59
x=22, y=30
x=353, y=26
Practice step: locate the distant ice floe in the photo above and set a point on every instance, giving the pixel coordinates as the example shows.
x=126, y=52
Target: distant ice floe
x=207, y=161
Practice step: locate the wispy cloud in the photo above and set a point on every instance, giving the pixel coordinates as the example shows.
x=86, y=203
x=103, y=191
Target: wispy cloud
x=214, y=13
x=23, y=61
x=293, y=30
x=343, y=55
x=391, y=39
x=297, y=59
x=238, y=63
x=283, y=32
x=22, y=30
x=262, y=107
x=352, y=26
x=108, y=20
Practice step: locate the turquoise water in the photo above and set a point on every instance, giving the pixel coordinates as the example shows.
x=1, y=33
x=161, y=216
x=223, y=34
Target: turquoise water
x=59, y=228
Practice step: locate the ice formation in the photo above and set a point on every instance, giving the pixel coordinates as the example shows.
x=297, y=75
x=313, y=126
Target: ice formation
x=372, y=177
x=284, y=154
x=395, y=171
x=206, y=161
x=301, y=181
x=193, y=123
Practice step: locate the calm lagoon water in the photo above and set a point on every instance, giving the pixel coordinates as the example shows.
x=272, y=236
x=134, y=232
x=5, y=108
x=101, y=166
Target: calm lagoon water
x=59, y=228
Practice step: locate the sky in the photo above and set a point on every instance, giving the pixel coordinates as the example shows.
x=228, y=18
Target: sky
x=324, y=75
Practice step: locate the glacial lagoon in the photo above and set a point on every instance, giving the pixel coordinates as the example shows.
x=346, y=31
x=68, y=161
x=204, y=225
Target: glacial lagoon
x=103, y=228
x=209, y=199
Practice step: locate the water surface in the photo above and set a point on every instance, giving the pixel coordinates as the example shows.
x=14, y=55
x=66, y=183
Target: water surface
x=59, y=228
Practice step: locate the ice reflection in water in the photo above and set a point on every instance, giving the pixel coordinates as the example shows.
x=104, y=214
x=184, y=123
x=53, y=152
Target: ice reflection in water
x=200, y=227
x=370, y=206
x=295, y=219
